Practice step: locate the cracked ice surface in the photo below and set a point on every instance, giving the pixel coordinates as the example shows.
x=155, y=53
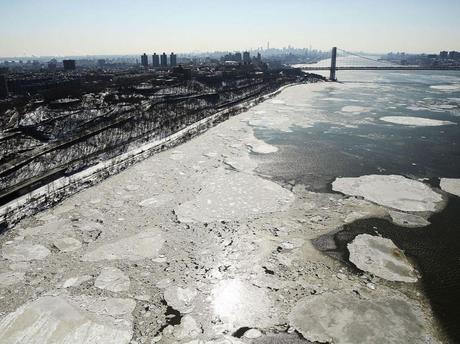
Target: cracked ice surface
x=229, y=195
x=381, y=257
x=391, y=191
x=348, y=319
x=58, y=319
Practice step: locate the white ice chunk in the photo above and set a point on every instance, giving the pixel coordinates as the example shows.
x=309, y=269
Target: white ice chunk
x=415, y=121
x=451, y=185
x=391, y=191
x=381, y=257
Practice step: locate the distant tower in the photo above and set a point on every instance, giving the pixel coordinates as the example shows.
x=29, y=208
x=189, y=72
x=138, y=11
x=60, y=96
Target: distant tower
x=3, y=87
x=173, y=60
x=332, y=76
x=144, y=60
x=238, y=57
x=246, y=57
x=155, y=60
x=268, y=45
x=259, y=57
x=69, y=64
x=164, y=60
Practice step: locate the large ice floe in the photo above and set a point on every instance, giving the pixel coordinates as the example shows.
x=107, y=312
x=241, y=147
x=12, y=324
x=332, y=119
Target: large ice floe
x=381, y=257
x=66, y=320
x=230, y=195
x=415, y=121
x=451, y=185
x=136, y=247
x=350, y=319
x=392, y=191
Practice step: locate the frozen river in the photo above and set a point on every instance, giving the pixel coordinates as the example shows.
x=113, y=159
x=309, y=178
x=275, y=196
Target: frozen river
x=327, y=213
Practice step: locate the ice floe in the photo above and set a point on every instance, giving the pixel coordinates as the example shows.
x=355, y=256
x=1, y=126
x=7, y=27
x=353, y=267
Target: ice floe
x=112, y=279
x=354, y=109
x=381, y=257
x=451, y=185
x=238, y=303
x=24, y=251
x=67, y=244
x=342, y=318
x=181, y=299
x=392, y=191
x=407, y=220
x=415, y=121
x=446, y=88
x=11, y=277
x=136, y=247
x=59, y=319
x=230, y=195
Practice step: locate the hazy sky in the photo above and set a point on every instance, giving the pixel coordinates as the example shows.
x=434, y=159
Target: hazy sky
x=87, y=27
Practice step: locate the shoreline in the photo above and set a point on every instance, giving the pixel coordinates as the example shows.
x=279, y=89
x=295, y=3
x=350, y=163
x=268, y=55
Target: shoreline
x=52, y=193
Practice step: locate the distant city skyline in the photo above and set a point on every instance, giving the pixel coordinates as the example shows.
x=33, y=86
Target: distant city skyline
x=121, y=27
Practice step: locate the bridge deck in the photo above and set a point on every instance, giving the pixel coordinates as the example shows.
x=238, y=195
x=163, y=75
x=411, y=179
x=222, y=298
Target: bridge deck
x=382, y=68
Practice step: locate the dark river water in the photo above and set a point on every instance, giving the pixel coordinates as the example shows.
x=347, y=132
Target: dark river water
x=353, y=128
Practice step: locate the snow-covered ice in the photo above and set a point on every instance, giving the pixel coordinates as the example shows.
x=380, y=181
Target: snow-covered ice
x=381, y=257
x=415, y=121
x=112, y=279
x=392, y=191
x=451, y=185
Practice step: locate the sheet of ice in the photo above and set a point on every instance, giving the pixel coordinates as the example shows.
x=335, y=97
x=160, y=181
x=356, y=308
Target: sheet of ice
x=237, y=303
x=67, y=244
x=392, y=191
x=24, y=251
x=140, y=246
x=415, y=121
x=181, y=299
x=11, y=277
x=408, y=220
x=59, y=319
x=381, y=257
x=354, y=109
x=446, y=88
x=345, y=318
x=156, y=201
x=229, y=195
x=451, y=185
x=112, y=279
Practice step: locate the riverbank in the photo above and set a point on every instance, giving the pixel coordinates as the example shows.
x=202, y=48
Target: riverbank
x=192, y=244
x=57, y=190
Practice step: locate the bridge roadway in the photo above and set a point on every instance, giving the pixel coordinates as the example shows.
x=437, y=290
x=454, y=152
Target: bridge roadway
x=381, y=68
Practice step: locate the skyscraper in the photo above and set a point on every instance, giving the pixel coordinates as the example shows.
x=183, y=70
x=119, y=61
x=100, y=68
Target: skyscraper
x=164, y=60
x=144, y=60
x=3, y=87
x=173, y=60
x=69, y=64
x=155, y=60
x=246, y=57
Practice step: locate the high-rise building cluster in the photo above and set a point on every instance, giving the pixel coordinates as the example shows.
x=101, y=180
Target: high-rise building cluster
x=159, y=60
x=244, y=58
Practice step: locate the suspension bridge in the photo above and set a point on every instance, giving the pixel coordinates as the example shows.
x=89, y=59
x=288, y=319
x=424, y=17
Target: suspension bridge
x=344, y=60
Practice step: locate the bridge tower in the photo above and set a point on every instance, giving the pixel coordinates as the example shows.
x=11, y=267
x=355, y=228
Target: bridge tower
x=332, y=76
